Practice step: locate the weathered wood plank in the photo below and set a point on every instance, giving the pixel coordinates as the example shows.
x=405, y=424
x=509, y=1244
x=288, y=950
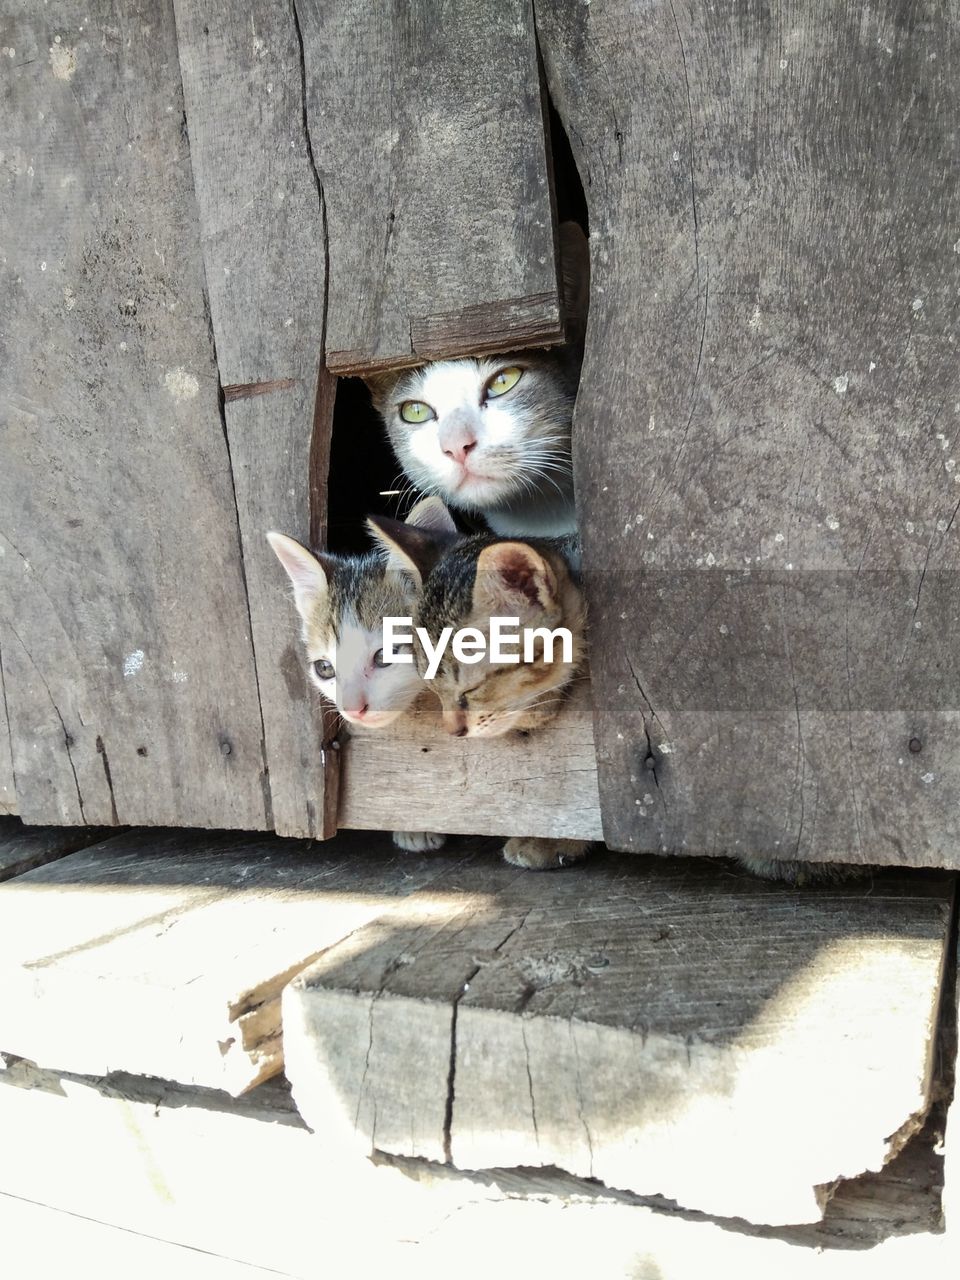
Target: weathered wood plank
x=8, y=789
x=426, y=125
x=415, y=776
x=765, y=431
x=24, y=848
x=127, y=660
x=668, y=1028
x=263, y=241
x=187, y=1165
x=164, y=954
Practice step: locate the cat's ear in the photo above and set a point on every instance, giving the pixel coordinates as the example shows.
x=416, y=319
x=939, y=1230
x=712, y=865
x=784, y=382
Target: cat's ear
x=513, y=578
x=305, y=571
x=574, y=255
x=407, y=547
x=431, y=513
x=380, y=386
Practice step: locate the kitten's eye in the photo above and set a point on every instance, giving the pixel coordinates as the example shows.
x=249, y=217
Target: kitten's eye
x=324, y=669
x=416, y=411
x=503, y=381
x=379, y=660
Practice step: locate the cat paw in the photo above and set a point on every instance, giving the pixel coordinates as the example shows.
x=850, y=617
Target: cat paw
x=418, y=841
x=536, y=854
x=801, y=874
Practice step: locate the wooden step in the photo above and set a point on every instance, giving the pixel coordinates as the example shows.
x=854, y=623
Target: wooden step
x=667, y=1027
x=164, y=953
x=245, y=1179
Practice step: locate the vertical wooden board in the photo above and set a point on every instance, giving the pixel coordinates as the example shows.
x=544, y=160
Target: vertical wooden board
x=8, y=790
x=127, y=658
x=427, y=128
x=767, y=425
x=262, y=236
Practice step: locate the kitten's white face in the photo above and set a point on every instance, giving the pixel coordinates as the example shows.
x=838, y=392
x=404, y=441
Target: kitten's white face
x=351, y=673
x=483, y=433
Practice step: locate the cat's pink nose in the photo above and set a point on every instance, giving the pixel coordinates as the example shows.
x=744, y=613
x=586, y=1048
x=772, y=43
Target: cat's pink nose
x=457, y=442
x=358, y=711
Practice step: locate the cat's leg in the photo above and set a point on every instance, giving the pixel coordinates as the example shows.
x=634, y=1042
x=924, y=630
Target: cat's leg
x=418, y=841
x=802, y=873
x=537, y=854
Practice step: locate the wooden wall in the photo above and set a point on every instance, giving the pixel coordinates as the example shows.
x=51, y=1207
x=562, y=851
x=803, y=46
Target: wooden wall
x=210, y=218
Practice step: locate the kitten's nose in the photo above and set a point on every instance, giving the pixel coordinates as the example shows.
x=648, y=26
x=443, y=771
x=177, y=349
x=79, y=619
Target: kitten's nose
x=455, y=722
x=358, y=712
x=456, y=441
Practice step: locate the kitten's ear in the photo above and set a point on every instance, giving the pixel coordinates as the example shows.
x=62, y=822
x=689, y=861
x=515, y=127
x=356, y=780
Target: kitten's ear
x=407, y=547
x=305, y=571
x=574, y=255
x=514, y=578
x=430, y=513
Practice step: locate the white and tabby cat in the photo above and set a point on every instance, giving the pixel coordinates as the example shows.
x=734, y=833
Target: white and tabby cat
x=342, y=601
x=491, y=435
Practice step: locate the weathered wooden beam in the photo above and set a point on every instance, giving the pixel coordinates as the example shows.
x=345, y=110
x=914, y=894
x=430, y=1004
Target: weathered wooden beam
x=765, y=432
x=663, y=1027
x=24, y=848
x=127, y=661
x=426, y=125
x=415, y=776
x=263, y=238
x=245, y=1178
x=164, y=954
x=8, y=790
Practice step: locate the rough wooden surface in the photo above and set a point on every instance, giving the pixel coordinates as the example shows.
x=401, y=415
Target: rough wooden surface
x=164, y=954
x=262, y=232
x=765, y=434
x=8, y=791
x=427, y=130
x=187, y=1166
x=635, y=1022
x=24, y=848
x=415, y=776
x=127, y=661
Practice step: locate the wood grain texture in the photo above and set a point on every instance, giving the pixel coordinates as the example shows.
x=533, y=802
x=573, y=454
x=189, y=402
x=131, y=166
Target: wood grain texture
x=187, y=1165
x=415, y=776
x=263, y=238
x=668, y=1028
x=23, y=848
x=127, y=659
x=765, y=434
x=8, y=788
x=164, y=954
x=427, y=129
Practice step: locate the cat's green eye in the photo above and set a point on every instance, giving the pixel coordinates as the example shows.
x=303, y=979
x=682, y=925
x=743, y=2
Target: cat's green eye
x=324, y=669
x=504, y=381
x=416, y=411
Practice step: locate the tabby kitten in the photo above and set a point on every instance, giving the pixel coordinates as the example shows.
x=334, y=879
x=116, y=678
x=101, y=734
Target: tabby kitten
x=491, y=435
x=342, y=601
x=465, y=582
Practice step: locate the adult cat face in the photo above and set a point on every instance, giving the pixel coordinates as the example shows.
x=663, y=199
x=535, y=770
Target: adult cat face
x=483, y=433
x=342, y=601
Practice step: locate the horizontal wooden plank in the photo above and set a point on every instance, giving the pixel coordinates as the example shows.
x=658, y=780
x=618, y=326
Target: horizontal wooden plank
x=244, y=1178
x=164, y=953
x=24, y=848
x=667, y=1027
x=415, y=776
x=439, y=214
